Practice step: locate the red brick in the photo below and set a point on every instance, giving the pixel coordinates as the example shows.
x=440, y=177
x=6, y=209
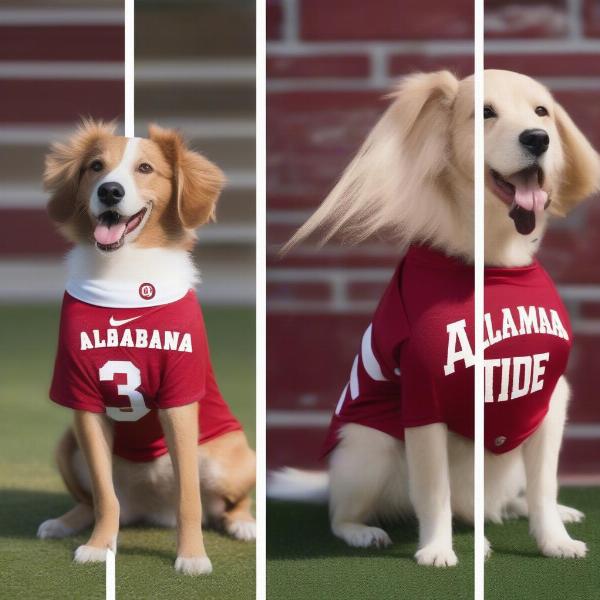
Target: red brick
x=584, y=377
x=534, y=18
x=547, y=65
x=402, y=64
x=311, y=137
x=590, y=310
x=363, y=290
x=274, y=19
x=310, y=354
x=312, y=257
x=386, y=19
x=317, y=66
x=591, y=20
x=28, y=233
x=64, y=42
x=25, y=101
x=580, y=457
x=290, y=290
x=295, y=446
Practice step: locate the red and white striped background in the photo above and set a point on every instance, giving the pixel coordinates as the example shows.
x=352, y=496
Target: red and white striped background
x=195, y=70
x=328, y=66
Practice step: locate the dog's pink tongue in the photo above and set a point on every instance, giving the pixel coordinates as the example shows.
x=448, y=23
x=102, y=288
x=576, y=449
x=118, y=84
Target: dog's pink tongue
x=529, y=195
x=107, y=235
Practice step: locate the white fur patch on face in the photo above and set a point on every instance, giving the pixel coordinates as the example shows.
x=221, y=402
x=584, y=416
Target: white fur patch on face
x=123, y=174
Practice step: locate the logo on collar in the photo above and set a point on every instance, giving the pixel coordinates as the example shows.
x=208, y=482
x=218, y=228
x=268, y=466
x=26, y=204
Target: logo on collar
x=147, y=291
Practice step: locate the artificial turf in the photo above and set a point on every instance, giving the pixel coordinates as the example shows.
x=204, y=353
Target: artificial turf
x=31, y=489
x=304, y=560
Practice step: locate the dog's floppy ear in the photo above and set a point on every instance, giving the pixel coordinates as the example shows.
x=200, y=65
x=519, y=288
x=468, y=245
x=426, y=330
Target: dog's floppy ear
x=406, y=150
x=198, y=182
x=63, y=167
x=581, y=176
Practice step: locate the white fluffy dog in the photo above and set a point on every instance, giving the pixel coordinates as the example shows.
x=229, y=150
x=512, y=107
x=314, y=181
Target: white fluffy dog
x=412, y=179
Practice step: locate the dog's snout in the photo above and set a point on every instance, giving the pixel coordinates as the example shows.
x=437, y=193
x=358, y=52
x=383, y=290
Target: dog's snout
x=536, y=141
x=111, y=193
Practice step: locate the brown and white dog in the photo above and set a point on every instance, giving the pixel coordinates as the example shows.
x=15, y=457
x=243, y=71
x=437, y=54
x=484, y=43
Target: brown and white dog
x=165, y=192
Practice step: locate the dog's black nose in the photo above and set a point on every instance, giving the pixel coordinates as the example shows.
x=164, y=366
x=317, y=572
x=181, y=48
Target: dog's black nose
x=111, y=193
x=535, y=141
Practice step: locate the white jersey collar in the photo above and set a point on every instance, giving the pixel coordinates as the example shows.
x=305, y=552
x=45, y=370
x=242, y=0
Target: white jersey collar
x=131, y=278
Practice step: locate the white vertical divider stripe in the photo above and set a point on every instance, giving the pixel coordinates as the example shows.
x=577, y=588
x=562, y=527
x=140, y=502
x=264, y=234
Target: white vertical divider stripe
x=261, y=245
x=110, y=575
x=479, y=195
x=129, y=68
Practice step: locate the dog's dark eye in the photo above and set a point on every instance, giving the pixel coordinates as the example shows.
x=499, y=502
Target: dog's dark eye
x=145, y=168
x=489, y=112
x=97, y=166
x=541, y=111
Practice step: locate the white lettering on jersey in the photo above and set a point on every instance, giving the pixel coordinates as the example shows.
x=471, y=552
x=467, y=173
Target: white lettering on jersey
x=139, y=338
x=517, y=376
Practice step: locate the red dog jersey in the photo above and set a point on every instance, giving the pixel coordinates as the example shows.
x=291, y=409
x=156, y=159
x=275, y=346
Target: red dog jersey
x=415, y=364
x=129, y=362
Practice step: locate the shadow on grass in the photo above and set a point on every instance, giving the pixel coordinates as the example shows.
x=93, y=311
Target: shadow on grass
x=301, y=531
x=22, y=511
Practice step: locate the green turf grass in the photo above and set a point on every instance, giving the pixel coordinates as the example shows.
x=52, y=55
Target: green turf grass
x=31, y=489
x=304, y=560
x=517, y=571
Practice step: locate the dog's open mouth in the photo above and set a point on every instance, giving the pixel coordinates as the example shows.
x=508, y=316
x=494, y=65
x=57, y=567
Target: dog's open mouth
x=523, y=193
x=112, y=228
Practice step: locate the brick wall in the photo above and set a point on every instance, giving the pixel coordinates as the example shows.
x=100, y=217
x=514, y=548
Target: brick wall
x=328, y=66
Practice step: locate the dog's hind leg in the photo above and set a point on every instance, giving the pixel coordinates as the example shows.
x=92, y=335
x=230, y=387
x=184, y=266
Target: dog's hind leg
x=364, y=470
x=228, y=473
x=81, y=516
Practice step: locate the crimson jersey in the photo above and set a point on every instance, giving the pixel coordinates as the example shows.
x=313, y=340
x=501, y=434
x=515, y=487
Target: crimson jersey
x=415, y=365
x=129, y=362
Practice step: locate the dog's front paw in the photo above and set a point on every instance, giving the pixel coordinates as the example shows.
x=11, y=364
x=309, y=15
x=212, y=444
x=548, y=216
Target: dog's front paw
x=54, y=529
x=196, y=565
x=487, y=547
x=436, y=555
x=570, y=515
x=89, y=554
x=242, y=530
x=563, y=547
x=362, y=536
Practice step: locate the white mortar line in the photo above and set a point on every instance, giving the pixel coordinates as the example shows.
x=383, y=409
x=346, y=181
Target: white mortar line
x=291, y=21
x=61, y=16
x=574, y=19
x=61, y=70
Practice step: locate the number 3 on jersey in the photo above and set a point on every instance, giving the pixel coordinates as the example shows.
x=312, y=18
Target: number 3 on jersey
x=129, y=388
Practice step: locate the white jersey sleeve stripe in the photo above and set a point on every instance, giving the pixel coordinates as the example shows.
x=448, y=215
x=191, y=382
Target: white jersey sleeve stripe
x=369, y=361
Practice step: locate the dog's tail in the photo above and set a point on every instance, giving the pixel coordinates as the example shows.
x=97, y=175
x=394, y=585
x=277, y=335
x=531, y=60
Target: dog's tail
x=297, y=485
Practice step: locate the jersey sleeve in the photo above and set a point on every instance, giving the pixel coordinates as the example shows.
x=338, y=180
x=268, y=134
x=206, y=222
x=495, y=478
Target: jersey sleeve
x=74, y=385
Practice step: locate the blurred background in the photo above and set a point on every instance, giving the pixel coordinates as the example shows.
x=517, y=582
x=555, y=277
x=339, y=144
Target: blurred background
x=328, y=67
x=327, y=73
x=195, y=70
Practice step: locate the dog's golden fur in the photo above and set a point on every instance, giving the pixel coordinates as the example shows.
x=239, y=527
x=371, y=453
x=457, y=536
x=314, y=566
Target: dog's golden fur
x=412, y=181
x=180, y=193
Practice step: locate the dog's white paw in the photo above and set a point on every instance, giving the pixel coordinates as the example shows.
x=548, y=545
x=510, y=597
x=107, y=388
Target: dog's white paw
x=242, y=530
x=487, y=548
x=362, y=536
x=198, y=565
x=89, y=554
x=563, y=547
x=54, y=529
x=436, y=555
x=570, y=515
